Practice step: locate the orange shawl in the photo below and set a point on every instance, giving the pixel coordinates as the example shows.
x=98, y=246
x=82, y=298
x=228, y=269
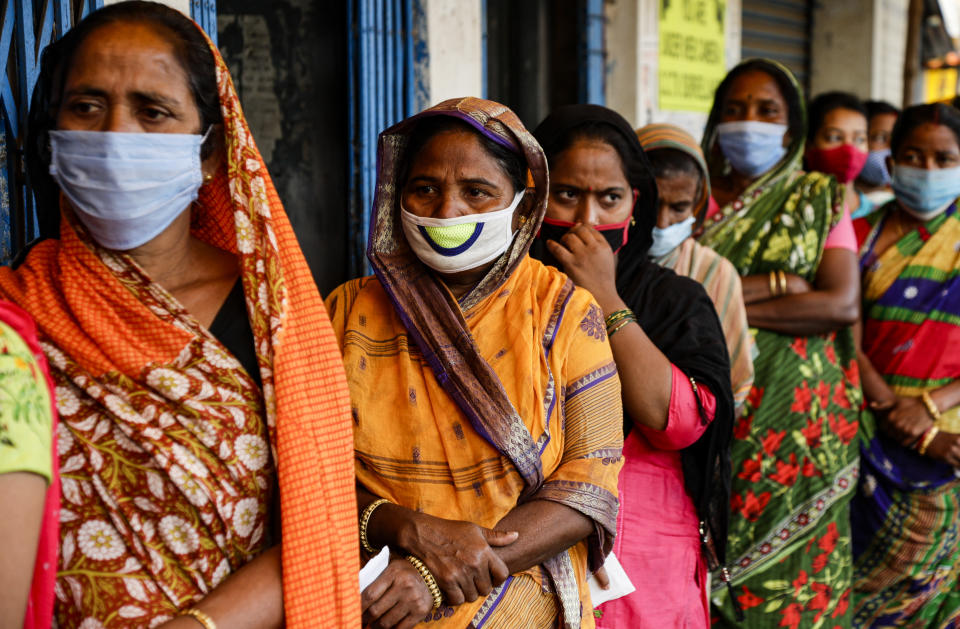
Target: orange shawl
x=167, y=472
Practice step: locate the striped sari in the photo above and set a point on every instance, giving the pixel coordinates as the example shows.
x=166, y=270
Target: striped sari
x=906, y=515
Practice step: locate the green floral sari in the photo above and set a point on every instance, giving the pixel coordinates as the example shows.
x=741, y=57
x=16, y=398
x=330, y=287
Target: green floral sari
x=794, y=450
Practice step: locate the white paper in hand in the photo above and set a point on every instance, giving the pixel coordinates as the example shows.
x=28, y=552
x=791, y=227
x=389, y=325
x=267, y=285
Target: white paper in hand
x=620, y=584
x=374, y=568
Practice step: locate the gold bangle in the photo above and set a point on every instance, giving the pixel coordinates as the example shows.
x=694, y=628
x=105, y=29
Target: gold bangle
x=927, y=440
x=200, y=617
x=365, y=520
x=931, y=406
x=427, y=577
x=773, y=283
x=620, y=326
x=618, y=315
x=783, y=281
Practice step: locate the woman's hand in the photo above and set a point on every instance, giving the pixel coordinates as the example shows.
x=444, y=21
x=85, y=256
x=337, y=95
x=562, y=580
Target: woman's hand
x=398, y=599
x=459, y=554
x=905, y=419
x=945, y=447
x=589, y=261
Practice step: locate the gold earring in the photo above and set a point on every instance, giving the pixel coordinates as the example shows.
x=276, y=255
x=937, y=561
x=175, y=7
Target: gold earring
x=633, y=221
x=207, y=178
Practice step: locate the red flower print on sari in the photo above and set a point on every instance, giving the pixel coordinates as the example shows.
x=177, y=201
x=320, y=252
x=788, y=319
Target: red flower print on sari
x=808, y=469
x=823, y=392
x=750, y=505
x=755, y=397
x=742, y=428
x=799, y=345
x=812, y=432
x=802, y=396
x=852, y=373
x=842, y=604
x=821, y=599
x=829, y=540
x=830, y=353
x=751, y=469
x=771, y=443
x=845, y=430
x=748, y=599
x=791, y=616
x=786, y=473
x=840, y=396
x=799, y=582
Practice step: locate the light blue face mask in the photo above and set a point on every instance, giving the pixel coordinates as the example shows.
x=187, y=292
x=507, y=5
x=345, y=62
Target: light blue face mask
x=925, y=193
x=126, y=188
x=875, y=170
x=669, y=238
x=752, y=147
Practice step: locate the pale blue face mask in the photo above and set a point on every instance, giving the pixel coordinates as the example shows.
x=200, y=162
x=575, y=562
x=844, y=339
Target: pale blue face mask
x=126, y=188
x=669, y=238
x=752, y=147
x=925, y=193
x=875, y=170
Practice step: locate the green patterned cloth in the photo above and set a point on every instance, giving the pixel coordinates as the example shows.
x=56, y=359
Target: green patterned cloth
x=794, y=451
x=25, y=416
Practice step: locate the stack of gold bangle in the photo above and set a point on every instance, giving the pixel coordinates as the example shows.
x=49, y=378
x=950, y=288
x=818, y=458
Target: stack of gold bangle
x=931, y=407
x=365, y=520
x=617, y=319
x=429, y=580
x=778, y=283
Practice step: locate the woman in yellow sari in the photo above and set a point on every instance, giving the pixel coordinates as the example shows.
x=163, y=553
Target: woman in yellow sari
x=488, y=423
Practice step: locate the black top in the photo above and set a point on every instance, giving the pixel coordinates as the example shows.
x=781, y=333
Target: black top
x=232, y=328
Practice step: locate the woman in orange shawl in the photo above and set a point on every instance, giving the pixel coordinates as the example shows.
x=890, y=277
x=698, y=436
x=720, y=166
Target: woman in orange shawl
x=488, y=423
x=196, y=373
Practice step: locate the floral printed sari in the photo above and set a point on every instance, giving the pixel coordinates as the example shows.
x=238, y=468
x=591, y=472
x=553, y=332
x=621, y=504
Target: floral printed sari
x=170, y=453
x=794, y=448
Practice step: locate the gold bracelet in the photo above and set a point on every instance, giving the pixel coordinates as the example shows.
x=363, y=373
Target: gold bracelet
x=773, y=283
x=931, y=406
x=618, y=315
x=624, y=323
x=429, y=580
x=927, y=440
x=365, y=520
x=783, y=282
x=200, y=617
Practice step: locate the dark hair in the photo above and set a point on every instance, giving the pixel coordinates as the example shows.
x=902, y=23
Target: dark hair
x=827, y=102
x=513, y=165
x=878, y=107
x=791, y=93
x=192, y=52
x=913, y=117
x=597, y=130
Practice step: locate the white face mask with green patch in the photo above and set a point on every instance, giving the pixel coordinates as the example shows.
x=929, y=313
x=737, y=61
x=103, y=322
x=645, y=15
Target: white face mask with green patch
x=451, y=245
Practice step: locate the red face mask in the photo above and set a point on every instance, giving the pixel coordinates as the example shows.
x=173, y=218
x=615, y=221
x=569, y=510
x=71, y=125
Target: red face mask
x=843, y=162
x=614, y=233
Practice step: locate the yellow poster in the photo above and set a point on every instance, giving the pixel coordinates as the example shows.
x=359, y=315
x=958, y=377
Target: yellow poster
x=692, y=60
x=940, y=84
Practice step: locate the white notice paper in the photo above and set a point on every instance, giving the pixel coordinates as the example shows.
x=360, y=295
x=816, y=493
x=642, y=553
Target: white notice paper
x=620, y=584
x=375, y=567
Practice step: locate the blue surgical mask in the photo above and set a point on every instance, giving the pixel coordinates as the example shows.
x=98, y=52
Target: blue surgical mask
x=925, y=193
x=875, y=170
x=126, y=188
x=752, y=147
x=669, y=238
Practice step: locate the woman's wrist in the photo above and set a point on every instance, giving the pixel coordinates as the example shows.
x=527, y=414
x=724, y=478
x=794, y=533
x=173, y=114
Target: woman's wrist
x=609, y=302
x=387, y=524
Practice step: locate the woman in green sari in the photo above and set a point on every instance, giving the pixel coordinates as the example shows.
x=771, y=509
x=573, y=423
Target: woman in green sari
x=794, y=451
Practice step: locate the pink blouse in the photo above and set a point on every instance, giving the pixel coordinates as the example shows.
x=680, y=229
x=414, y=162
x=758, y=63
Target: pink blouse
x=657, y=541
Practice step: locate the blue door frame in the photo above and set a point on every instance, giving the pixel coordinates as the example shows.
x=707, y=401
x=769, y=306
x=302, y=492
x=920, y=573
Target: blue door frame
x=21, y=44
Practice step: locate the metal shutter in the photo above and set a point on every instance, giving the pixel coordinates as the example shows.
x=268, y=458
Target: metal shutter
x=779, y=30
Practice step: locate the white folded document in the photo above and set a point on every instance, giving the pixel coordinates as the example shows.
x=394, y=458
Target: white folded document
x=620, y=584
x=374, y=568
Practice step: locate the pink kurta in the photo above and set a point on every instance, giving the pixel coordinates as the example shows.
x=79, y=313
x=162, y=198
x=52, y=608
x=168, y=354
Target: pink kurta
x=657, y=541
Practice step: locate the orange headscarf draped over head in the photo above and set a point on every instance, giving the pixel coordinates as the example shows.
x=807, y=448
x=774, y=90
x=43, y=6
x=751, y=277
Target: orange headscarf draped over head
x=118, y=343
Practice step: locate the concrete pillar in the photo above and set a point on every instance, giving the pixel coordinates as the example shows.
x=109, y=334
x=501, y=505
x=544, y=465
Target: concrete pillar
x=455, y=45
x=633, y=45
x=858, y=46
